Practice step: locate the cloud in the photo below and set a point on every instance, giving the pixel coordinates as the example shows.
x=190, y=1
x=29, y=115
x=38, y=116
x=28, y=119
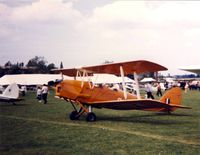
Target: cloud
x=140, y=14
x=40, y=28
x=127, y=30
x=121, y=30
x=40, y=11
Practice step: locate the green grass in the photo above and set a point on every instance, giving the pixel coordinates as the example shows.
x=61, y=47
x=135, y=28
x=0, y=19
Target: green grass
x=34, y=128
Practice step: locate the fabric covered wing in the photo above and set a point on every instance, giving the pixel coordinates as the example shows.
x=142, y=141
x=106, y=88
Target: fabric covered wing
x=144, y=104
x=140, y=66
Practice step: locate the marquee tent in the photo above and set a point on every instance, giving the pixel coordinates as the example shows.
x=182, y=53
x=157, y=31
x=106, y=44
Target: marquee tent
x=30, y=79
x=193, y=69
x=107, y=79
x=40, y=79
x=148, y=80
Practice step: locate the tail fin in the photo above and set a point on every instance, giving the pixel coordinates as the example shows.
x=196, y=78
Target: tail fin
x=11, y=91
x=172, y=96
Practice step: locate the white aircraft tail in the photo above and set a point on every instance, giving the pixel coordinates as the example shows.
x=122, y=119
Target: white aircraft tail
x=12, y=91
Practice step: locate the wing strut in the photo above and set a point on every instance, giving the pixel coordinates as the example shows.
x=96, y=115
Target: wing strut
x=82, y=74
x=137, y=85
x=123, y=82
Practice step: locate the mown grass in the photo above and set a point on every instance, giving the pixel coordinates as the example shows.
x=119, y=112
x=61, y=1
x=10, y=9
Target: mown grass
x=34, y=128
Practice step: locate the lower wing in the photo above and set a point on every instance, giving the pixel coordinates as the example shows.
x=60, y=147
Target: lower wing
x=142, y=104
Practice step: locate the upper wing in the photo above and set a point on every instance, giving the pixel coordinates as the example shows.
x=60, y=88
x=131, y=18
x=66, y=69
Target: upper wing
x=140, y=66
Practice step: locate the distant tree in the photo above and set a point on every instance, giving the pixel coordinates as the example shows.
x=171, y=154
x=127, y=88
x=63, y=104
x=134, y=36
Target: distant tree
x=8, y=64
x=35, y=65
x=39, y=63
x=14, y=69
x=50, y=67
x=42, y=67
x=35, y=61
x=61, y=65
x=21, y=64
x=2, y=71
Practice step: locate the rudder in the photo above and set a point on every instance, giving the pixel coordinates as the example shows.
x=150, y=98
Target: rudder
x=172, y=96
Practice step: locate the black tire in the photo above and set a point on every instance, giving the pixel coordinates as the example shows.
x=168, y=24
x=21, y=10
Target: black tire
x=91, y=117
x=74, y=115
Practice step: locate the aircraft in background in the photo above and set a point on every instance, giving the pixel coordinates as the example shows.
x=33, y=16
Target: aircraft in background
x=85, y=95
x=10, y=94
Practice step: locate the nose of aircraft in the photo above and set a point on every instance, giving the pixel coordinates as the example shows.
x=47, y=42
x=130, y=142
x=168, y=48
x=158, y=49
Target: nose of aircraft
x=69, y=89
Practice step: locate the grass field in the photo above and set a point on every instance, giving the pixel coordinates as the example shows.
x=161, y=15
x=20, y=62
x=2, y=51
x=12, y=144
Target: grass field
x=31, y=128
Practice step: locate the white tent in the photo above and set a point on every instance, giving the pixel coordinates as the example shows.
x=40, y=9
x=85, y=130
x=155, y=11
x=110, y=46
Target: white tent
x=170, y=80
x=40, y=79
x=106, y=78
x=30, y=79
x=193, y=69
x=148, y=80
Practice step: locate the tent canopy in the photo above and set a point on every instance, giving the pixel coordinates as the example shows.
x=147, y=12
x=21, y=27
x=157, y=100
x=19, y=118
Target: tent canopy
x=106, y=78
x=148, y=80
x=30, y=79
x=40, y=79
x=193, y=69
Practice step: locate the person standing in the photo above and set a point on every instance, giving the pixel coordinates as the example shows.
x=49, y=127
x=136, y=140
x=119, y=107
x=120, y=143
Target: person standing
x=149, y=91
x=23, y=90
x=186, y=87
x=159, y=92
x=39, y=94
x=44, y=93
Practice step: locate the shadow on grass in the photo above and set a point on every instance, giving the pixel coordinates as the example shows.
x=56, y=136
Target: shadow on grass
x=172, y=114
x=153, y=119
x=5, y=104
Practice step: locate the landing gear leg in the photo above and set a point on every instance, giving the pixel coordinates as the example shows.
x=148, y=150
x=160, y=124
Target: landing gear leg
x=91, y=117
x=75, y=115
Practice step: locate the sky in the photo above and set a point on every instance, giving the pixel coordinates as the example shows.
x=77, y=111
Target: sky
x=85, y=32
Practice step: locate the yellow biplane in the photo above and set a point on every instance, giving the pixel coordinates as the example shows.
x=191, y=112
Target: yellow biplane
x=85, y=95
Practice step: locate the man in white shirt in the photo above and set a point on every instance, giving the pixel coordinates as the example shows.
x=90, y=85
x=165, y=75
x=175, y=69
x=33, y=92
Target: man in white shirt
x=149, y=91
x=44, y=93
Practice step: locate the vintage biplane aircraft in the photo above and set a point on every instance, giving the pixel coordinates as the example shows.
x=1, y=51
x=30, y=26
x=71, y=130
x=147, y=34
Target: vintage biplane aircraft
x=10, y=94
x=86, y=95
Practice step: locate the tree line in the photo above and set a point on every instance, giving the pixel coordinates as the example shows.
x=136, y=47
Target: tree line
x=35, y=65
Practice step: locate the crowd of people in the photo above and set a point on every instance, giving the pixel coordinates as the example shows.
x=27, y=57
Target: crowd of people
x=193, y=85
x=41, y=93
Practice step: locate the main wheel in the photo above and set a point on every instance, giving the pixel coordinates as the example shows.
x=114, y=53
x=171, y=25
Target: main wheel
x=91, y=117
x=74, y=115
